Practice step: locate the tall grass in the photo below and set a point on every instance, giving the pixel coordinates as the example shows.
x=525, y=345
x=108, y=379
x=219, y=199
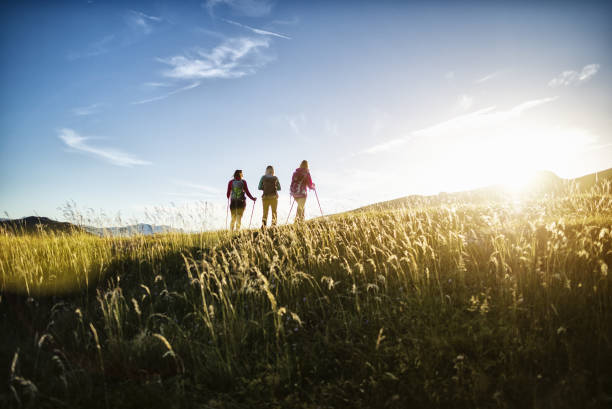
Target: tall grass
x=453, y=304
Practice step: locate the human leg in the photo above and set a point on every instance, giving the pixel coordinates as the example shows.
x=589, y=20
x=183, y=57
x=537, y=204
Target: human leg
x=233, y=221
x=240, y=212
x=299, y=215
x=237, y=209
x=266, y=207
x=274, y=205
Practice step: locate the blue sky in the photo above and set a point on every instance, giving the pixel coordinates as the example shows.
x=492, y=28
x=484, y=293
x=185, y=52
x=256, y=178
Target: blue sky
x=148, y=107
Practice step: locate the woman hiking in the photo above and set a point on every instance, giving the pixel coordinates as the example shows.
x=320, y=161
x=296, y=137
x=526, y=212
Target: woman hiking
x=299, y=182
x=236, y=189
x=270, y=186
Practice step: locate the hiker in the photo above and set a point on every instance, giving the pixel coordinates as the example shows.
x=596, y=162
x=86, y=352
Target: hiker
x=236, y=188
x=270, y=186
x=299, y=182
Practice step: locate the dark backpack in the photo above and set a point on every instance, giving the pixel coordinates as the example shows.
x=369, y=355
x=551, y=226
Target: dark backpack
x=269, y=185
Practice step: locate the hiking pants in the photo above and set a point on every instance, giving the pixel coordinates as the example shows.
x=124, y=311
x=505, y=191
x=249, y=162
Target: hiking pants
x=237, y=209
x=301, y=203
x=269, y=203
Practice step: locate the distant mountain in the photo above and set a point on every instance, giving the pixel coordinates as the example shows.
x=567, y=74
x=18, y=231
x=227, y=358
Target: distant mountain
x=141, y=228
x=33, y=224
x=541, y=182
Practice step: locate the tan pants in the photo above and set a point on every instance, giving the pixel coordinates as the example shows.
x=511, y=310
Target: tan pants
x=269, y=203
x=301, y=203
x=236, y=218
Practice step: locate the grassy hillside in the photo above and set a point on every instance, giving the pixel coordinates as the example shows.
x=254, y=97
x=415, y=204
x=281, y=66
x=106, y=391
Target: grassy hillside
x=541, y=183
x=438, y=303
x=588, y=181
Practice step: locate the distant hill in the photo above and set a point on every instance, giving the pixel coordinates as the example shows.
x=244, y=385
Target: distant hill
x=541, y=182
x=588, y=181
x=34, y=224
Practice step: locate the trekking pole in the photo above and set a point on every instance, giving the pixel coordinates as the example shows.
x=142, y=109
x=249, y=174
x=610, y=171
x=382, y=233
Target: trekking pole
x=227, y=212
x=317, y=196
x=252, y=211
x=291, y=208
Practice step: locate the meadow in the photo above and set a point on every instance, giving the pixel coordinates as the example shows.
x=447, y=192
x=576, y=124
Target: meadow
x=439, y=302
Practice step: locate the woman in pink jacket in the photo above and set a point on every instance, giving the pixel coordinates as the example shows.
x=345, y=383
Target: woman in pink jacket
x=300, y=182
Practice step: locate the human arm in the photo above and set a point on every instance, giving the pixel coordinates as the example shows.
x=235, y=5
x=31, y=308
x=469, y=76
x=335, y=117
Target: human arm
x=310, y=184
x=246, y=190
x=278, y=187
x=261, y=183
x=229, y=189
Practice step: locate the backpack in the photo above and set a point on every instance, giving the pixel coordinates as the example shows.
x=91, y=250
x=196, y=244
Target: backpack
x=238, y=190
x=298, y=186
x=269, y=185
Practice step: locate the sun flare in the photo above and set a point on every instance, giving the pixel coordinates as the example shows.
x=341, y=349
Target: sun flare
x=472, y=156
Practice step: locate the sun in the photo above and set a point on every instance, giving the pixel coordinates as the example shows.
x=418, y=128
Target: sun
x=510, y=157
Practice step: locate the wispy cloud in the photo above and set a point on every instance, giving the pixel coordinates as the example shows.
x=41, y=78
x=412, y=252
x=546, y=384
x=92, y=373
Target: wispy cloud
x=290, y=22
x=88, y=110
x=196, y=186
x=386, y=146
x=157, y=84
x=250, y=8
x=296, y=123
x=570, y=77
x=190, y=190
x=81, y=144
x=482, y=118
x=471, y=122
x=166, y=95
x=141, y=21
x=233, y=58
x=489, y=77
x=137, y=25
x=211, y=33
x=256, y=30
x=192, y=195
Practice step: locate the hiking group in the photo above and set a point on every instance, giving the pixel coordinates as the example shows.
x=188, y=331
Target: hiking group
x=238, y=190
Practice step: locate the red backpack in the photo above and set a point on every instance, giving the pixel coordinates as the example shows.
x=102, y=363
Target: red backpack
x=298, y=183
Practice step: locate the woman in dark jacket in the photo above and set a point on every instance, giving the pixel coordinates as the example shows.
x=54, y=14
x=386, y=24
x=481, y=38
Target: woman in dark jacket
x=270, y=186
